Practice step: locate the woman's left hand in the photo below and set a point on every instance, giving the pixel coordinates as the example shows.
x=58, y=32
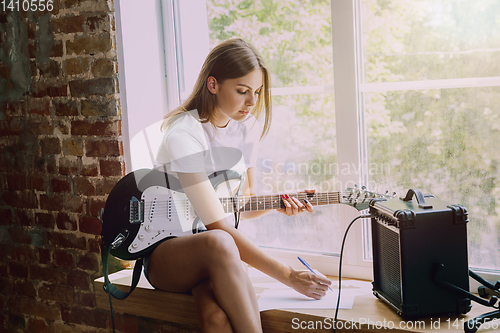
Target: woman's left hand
x=293, y=206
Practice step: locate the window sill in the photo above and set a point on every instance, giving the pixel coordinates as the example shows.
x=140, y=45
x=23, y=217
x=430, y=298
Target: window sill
x=368, y=314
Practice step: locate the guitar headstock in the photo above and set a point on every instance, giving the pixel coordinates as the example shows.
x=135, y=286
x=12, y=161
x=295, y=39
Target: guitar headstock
x=360, y=198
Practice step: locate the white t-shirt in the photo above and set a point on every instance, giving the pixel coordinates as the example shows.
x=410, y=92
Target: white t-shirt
x=191, y=146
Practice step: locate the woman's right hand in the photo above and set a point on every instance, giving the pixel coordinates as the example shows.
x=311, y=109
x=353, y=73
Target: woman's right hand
x=309, y=284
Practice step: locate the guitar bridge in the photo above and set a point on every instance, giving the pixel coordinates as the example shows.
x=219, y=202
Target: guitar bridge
x=136, y=210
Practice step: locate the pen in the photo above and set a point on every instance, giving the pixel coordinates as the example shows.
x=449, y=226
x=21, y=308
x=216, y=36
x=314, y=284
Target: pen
x=308, y=267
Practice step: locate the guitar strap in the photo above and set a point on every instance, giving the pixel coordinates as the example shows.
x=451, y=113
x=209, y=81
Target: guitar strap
x=108, y=287
x=111, y=288
x=239, y=193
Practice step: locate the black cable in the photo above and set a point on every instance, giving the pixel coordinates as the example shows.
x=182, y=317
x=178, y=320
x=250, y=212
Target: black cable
x=340, y=267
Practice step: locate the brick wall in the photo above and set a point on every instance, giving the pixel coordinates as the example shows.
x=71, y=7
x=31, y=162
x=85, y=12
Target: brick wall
x=60, y=154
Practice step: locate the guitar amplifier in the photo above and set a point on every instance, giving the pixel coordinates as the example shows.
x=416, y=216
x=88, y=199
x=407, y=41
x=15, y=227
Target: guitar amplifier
x=413, y=241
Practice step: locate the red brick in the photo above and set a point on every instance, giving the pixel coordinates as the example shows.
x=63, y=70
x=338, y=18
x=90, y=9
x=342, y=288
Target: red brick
x=95, y=207
x=57, y=49
x=25, y=288
x=17, y=182
x=102, y=148
x=40, y=89
x=37, y=183
x=73, y=204
x=50, y=146
x=49, y=69
x=37, y=326
x=66, y=25
x=78, y=279
x=48, y=274
x=42, y=127
x=24, y=254
x=60, y=185
x=92, y=87
x=63, y=258
x=94, y=5
x=89, y=262
x=24, y=199
x=51, y=202
x=20, y=235
x=105, y=185
x=25, y=218
x=81, y=45
x=66, y=108
x=83, y=316
x=101, y=107
x=68, y=166
x=97, y=128
x=31, y=306
x=86, y=299
x=56, y=293
x=77, y=66
x=98, y=23
x=62, y=124
x=73, y=147
x=11, y=127
x=90, y=170
x=66, y=240
x=45, y=220
x=4, y=71
x=44, y=256
x=90, y=225
x=111, y=168
x=65, y=222
x=83, y=186
x=6, y=216
x=94, y=245
x=40, y=107
x=103, y=68
x=6, y=285
x=18, y=270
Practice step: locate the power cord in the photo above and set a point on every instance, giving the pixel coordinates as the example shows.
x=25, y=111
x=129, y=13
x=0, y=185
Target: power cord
x=340, y=267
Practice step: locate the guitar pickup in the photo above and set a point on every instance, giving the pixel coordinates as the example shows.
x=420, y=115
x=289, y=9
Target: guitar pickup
x=136, y=210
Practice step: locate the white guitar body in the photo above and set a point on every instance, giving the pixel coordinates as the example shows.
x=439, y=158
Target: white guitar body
x=169, y=213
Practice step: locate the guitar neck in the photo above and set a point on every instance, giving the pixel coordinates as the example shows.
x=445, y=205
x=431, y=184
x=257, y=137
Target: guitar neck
x=263, y=202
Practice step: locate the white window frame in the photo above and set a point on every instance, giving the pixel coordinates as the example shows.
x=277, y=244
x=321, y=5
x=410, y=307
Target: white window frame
x=156, y=20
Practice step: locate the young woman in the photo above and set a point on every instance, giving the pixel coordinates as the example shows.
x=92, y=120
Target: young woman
x=216, y=129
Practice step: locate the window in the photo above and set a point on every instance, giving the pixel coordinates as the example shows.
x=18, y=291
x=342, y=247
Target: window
x=391, y=94
x=429, y=83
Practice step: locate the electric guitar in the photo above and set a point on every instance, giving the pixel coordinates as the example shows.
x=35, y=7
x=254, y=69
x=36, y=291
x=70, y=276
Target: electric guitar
x=148, y=206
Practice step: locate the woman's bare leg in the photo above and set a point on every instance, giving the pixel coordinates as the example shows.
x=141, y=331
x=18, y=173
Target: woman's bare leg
x=212, y=318
x=182, y=263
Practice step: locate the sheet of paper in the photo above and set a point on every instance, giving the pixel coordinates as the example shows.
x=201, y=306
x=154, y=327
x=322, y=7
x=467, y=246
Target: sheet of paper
x=290, y=299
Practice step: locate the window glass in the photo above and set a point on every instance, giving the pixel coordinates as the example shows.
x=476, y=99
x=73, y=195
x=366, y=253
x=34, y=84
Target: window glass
x=294, y=38
x=443, y=141
x=406, y=40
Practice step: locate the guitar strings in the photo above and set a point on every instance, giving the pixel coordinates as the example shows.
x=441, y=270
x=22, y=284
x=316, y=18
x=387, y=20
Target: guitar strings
x=249, y=202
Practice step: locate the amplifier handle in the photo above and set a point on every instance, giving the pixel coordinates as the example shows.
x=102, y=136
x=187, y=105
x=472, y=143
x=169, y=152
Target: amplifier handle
x=420, y=198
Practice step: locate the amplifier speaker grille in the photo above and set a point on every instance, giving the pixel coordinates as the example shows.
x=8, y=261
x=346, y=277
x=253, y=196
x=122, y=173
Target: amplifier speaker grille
x=389, y=261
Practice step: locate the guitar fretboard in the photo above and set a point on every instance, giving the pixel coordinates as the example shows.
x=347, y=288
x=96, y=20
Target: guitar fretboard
x=263, y=202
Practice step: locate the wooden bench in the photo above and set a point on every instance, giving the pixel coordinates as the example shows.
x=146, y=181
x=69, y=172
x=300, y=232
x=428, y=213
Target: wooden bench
x=368, y=314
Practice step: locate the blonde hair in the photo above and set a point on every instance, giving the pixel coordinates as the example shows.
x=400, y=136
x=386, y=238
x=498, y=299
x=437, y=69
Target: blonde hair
x=231, y=59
